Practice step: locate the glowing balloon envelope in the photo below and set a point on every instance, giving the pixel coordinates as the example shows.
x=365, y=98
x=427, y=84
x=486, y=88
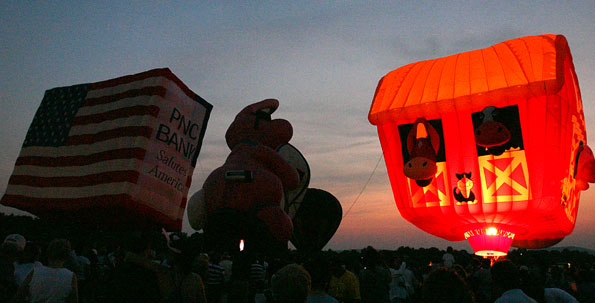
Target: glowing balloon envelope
x=483, y=145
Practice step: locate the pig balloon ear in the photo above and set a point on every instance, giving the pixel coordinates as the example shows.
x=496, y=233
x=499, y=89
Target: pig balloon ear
x=584, y=167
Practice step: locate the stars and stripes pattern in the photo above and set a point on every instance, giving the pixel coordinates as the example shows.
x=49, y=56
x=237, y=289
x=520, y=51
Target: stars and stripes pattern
x=83, y=154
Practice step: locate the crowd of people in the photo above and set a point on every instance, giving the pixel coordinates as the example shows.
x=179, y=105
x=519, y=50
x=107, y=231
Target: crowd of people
x=176, y=269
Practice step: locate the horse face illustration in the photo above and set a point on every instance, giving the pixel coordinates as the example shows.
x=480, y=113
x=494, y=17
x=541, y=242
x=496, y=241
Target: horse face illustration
x=423, y=142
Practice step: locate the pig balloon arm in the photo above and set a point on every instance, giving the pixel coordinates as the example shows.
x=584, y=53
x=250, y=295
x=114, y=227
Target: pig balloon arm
x=586, y=168
x=274, y=162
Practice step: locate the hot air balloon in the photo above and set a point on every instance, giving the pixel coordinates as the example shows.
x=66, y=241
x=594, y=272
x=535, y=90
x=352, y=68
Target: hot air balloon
x=243, y=199
x=316, y=220
x=117, y=154
x=485, y=145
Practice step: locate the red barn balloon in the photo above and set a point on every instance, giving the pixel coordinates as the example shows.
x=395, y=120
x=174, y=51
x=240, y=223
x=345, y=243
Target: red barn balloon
x=484, y=145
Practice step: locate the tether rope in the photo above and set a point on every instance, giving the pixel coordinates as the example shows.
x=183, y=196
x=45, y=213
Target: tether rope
x=363, y=188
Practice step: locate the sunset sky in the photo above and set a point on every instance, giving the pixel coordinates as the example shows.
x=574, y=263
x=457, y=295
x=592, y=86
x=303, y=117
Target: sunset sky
x=322, y=60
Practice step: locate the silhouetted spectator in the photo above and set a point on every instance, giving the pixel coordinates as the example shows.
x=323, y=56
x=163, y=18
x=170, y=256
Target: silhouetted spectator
x=585, y=289
x=344, y=285
x=481, y=282
x=448, y=259
x=226, y=263
x=444, y=285
x=402, y=286
x=73, y=264
x=257, y=274
x=215, y=278
x=179, y=283
x=318, y=268
x=375, y=278
x=201, y=266
x=557, y=295
x=18, y=240
x=507, y=283
x=290, y=284
x=8, y=285
x=28, y=260
x=534, y=286
x=51, y=283
x=239, y=286
x=461, y=272
x=559, y=279
x=93, y=275
x=131, y=275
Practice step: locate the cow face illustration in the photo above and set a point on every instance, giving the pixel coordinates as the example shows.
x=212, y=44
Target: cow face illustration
x=497, y=129
x=491, y=132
